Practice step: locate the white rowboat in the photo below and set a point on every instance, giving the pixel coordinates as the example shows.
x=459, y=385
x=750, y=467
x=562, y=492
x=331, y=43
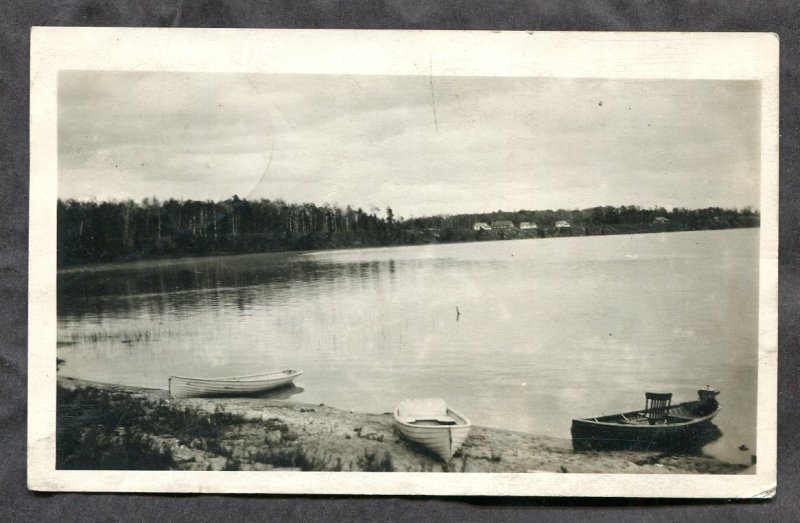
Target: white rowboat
x=185, y=387
x=432, y=424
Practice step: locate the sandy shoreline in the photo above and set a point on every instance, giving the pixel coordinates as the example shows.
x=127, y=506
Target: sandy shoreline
x=111, y=426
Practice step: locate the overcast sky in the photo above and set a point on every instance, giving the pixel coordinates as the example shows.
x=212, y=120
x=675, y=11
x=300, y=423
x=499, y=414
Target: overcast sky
x=419, y=145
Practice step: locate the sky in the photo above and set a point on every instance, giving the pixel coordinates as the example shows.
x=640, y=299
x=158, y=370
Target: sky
x=421, y=145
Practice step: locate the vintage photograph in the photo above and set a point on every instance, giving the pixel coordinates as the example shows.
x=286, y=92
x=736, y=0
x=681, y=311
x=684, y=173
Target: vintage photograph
x=435, y=273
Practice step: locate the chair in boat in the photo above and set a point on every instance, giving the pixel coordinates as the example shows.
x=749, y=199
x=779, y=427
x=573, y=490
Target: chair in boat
x=657, y=406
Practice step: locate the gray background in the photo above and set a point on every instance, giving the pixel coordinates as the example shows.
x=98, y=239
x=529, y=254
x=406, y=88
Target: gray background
x=16, y=18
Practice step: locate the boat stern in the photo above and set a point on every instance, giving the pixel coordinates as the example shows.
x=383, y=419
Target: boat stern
x=708, y=394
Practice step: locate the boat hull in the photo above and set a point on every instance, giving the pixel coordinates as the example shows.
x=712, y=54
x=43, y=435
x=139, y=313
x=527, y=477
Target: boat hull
x=442, y=440
x=612, y=433
x=186, y=387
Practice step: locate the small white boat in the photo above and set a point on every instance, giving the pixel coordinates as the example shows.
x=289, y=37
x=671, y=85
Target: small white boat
x=185, y=387
x=431, y=423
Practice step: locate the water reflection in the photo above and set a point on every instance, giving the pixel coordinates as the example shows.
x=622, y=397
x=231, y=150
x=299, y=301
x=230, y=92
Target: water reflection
x=688, y=443
x=238, y=281
x=281, y=393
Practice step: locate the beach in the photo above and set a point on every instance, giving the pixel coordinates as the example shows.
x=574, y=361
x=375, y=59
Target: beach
x=104, y=426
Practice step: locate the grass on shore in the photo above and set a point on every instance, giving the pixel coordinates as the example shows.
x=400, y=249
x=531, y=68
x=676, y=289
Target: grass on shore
x=100, y=429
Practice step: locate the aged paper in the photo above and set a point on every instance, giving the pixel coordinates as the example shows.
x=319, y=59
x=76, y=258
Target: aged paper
x=537, y=228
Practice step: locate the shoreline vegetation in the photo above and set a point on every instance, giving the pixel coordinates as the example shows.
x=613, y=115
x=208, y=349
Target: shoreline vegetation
x=113, y=427
x=91, y=232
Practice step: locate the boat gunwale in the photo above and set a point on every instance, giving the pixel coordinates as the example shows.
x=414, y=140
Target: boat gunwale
x=467, y=423
x=289, y=373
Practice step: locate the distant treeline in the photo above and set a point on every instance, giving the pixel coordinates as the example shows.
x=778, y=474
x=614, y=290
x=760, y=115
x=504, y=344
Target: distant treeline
x=95, y=232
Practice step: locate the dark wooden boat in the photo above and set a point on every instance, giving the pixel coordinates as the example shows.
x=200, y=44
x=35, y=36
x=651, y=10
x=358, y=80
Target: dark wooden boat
x=659, y=426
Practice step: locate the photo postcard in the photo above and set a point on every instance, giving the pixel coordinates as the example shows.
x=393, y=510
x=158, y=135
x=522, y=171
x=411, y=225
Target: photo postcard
x=403, y=262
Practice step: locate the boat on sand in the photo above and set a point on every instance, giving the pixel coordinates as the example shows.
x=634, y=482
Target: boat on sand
x=186, y=387
x=659, y=426
x=432, y=424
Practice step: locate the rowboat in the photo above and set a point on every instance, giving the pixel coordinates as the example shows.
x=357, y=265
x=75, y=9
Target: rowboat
x=659, y=426
x=432, y=424
x=186, y=387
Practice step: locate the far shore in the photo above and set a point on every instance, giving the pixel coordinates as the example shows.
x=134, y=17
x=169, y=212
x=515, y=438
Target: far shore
x=104, y=426
x=480, y=236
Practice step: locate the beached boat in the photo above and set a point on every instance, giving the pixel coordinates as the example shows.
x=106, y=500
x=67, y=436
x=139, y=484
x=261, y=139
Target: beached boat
x=658, y=426
x=432, y=424
x=186, y=387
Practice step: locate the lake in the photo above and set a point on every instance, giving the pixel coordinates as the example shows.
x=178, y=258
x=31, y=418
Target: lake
x=548, y=330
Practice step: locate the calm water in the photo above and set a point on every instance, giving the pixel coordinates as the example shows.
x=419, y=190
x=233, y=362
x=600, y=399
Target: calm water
x=549, y=329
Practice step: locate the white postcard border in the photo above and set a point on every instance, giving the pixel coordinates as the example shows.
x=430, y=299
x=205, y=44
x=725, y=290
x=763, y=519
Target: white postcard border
x=752, y=56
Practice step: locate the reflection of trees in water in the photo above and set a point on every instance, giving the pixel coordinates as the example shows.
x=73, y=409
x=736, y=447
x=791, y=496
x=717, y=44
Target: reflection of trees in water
x=158, y=288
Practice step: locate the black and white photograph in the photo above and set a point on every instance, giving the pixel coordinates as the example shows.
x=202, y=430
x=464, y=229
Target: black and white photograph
x=460, y=278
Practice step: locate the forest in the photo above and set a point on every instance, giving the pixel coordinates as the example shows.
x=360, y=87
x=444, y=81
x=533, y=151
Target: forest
x=116, y=231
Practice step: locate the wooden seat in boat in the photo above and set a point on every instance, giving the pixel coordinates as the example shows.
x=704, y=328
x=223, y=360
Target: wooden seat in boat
x=656, y=406
x=431, y=410
x=447, y=420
